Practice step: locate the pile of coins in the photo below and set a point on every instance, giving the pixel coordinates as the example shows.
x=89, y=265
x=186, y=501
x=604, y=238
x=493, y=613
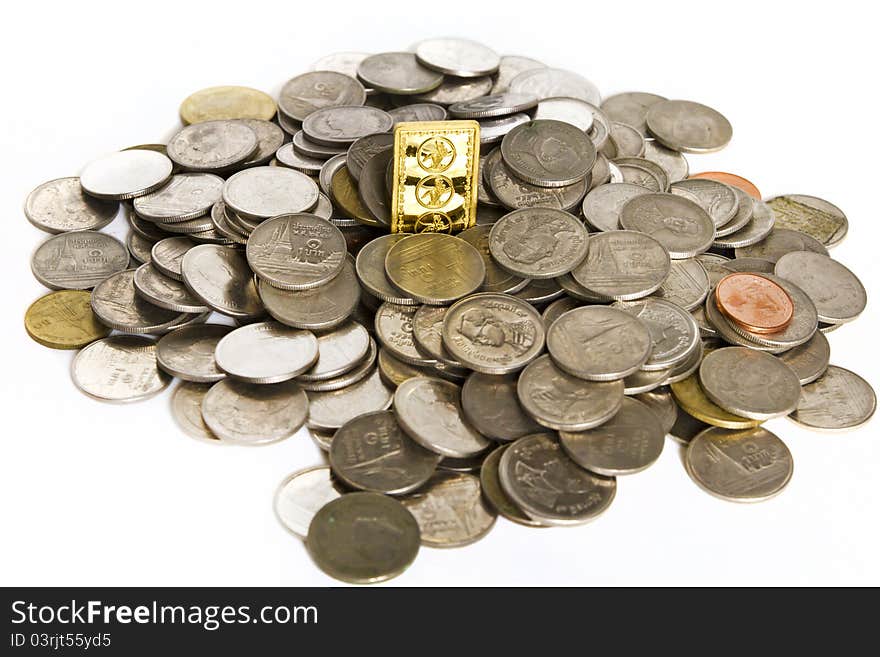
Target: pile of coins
x=516, y=361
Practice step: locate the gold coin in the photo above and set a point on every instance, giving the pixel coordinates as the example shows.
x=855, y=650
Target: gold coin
x=394, y=371
x=346, y=195
x=690, y=396
x=64, y=320
x=215, y=103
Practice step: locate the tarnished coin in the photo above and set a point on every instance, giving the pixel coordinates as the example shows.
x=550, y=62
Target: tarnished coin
x=555, y=82
x=602, y=205
x=839, y=399
x=750, y=383
x=262, y=192
x=344, y=192
x=548, y=153
x=228, y=102
x=371, y=452
x=167, y=255
x=816, y=217
x=538, y=243
x=363, y=538
x=78, y=260
x=301, y=495
x=756, y=229
x=60, y=206
x=493, y=333
x=631, y=108
x=673, y=163
x=749, y=465
x=460, y=57
x=628, y=443
x=491, y=405
x=339, y=351
x=186, y=409
x=186, y=195
x=623, y=265
x=188, y=352
x=779, y=242
x=316, y=90
x=165, y=292
x=212, y=145
x=394, y=329
x=687, y=284
x=688, y=127
x=490, y=484
x=493, y=105
x=456, y=90
x=221, y=278
x=341, y=126
x=837, y=293
x=63, y=320
x=398, y=73
x=429, y=410
x=332, y=409
x=674, y=332
x=598, y=343
x=548, y=486
x=418, y=112
x=266, y=352
x=362, y=150
x=693, y=400
x=116, y=304
x=686, y=428
x=254, y=414
x=370, y=266
x=450, y=510
x=121, y=368
x=559, y=307
x=126, y=174
x=720, y=201
x=434, y=268
x=809, y=360
x=681, y=226
x=514, y=193
x=560, y=401
x=497, y=279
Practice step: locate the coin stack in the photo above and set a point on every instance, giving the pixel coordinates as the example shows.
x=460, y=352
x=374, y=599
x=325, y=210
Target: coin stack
x=605, y=299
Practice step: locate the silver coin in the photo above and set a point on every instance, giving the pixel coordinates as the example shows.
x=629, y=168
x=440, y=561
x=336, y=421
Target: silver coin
x=139, y=246
x=370, y=267
x=497, y=279
x=688, y=127
x=628, y=443
x=664, y=406
x=301, y=495
x=165, y=292
x=341, y=126
x=673, y=163
x=427, y=328
x=339, y=351
x=493, y=333
x=456, y=90
x=657, y=172
x=116, y=305
x=631, y=108
x=493, y=105
x=254, y=414
x=262, y=192
x=362, y=150
x=715, y=266
x=186, y=409
x=418, y=112
x=429, y=410
x=554, y=82
x=78, y=260
x=144, y=228
x=398, y=73
x=744, y=211
x=597, y=343
x=394, y=329
x=816, y=217
x=269, y=140
x=125, y=174
x=559, y=307
x=839, y=399
x=756, y=229
x=623, y=265
x=509, y=67
x=536, y=464
x=548, y=153
x=749, y=383
x=167, y=255
x=328, y=171
x=308, y=148
x=516, y=194
x=491, y=405
x=121, y=368
x=809, y=360
x=188, y=226
x=493, y=131
x=538, y=243
x=221, y=278
x=188, y=352
x=720, y=201
x=331, y=410
x=628, y=141
x=309, y=92
x=578, y=113
x=266, y=352
x=372, y=188
x=602, y=204
x=288, y=157
x=287, y=124
x=747, y=264
x=749, y=465
x=490, y=483
x=779, y=242
x=637, y=175
x=212, y=145
x=341, y=62
x=681, y=226
x=461, y=57
x=837, y=293
x=225, y=227
x=687, y=284
x=539, y=292
x=641, y=382
x=371, y=452
x=673, y=331
x=61, y=206
x=601, y=172
x=563, y=402
x=360, y=371
x=324, y=208
x=689, y=365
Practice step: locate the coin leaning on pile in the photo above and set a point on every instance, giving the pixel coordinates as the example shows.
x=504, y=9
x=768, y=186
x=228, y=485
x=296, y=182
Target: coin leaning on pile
x=598, y=298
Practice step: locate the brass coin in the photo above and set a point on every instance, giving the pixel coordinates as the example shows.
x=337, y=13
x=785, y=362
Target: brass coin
x=690, y=396
x=64, y=320
x=345, y=192
x=215, y=103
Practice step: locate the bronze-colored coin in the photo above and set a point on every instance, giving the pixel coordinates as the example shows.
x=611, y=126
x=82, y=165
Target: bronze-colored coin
x=228, y=102
x=64, y=320
x=730, y=179
x=754, y=302
x=395, y=371
x=344, y=191
x=693, y=400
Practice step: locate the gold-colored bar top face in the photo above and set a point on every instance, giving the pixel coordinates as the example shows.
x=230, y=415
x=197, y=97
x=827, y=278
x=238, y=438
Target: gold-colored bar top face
x=436, y=164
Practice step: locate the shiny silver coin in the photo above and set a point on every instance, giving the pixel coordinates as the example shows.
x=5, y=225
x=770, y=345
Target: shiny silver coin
x=78, y=260
x=716, y=198
x=418, y=112
x=491, y=405
x=187, y=195
x=269, y=140
x=308, y=148
x=221, y=278
x=117, y=305
x=139, y=246
x=186, y=409
x=839, y=399
x=360, y=371
x=837, y=293
x=515, y=194
x=254, y=414
x=121, y=368
x=600, y=174
x=715, y=266
x=429, y=410
x=189, y=226
x=61, y=206
x=756, y=229
x=628, y=443
x=689, y=365
x=398, y=73
x=809, y=360
x=493, y=105
x=188, y=352
x=167, y=255
x=342, y=126
x=493, y=131
x=460, y=57
x=548, y=153
x=657, y=172
x=341, y=62
x=641, y=382
x=748, y=264
x=493, y=333
x=627, y=141
x=330, y=410
x=553, y=83
x=602, y=204
x=372, y=188
x=212, y=145
x=687, y=284
x=362, y=150
x=563, y=402
x=394, y=330
x=125, y=175
x=779, y=242
x=673, y=163
x=744, y=212
x=816, y=217
x=225, y=227
x=637, y=175
x=597, y=343
x=301, y=495
x=266, y=352
x=674, y=332
x=663, y=404
x=497, y=279
x=165, y=292
x=339, y=351
x=309, y=92
x=578, y=113
x=688, y=127
x=578, y=291
x=287, y=156
x=749, y=465
x=262, y=192
x=681, y=226
x=372, y=453
x=370, y=267
x=427, y=327
x=578, y=496
x=749, y=383
x=509, y=67
x=456, y=90
x=631, y=108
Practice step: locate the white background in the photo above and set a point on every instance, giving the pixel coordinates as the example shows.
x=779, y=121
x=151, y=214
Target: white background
x=97, y=494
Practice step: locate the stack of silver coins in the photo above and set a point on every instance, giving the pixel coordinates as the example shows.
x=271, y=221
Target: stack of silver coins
x=518, y=368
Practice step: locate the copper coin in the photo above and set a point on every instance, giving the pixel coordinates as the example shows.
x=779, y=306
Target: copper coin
x=731, y=179
x=756, y=303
